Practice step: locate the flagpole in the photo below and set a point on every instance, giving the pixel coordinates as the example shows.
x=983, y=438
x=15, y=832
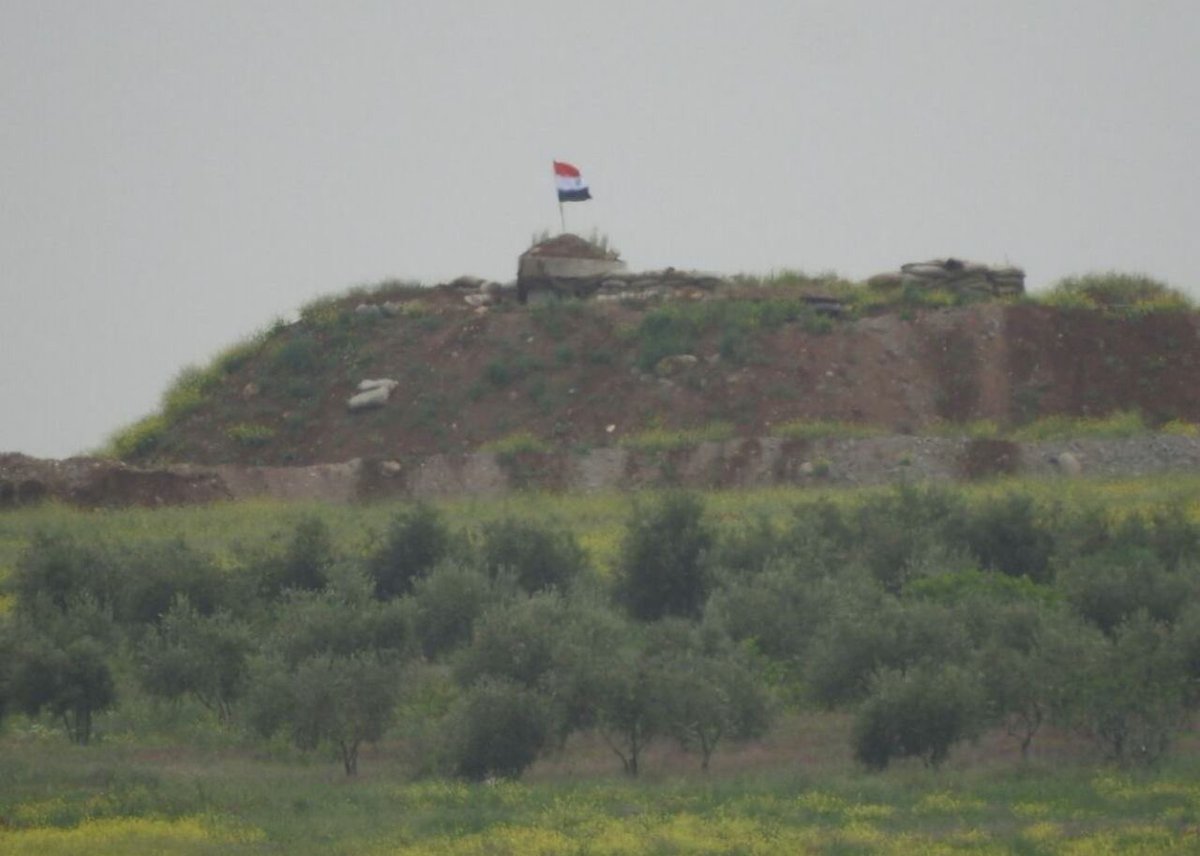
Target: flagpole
x=562, y=218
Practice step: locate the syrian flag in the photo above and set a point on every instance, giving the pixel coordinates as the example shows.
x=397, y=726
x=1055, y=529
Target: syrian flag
x=571, y=187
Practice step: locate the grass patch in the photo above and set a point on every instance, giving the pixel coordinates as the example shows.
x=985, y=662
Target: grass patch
x=515, y=444
x=820, y=429
x=670, y=439
x=1179, y=428
x=116, y=801
x=250, y=435
x=139, y=440
x=1115, y=426
x=978, y=429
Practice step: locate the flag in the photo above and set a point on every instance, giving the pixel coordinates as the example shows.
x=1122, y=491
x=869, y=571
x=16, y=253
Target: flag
x=571, y=187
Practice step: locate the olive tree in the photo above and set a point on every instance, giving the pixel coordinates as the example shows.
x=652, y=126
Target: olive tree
x=416, y=541
x=71, y=680
x=540, y=557
x=497, y=728
x=327, y=699
x=709, y=690
x=1133, y=690
x=332, y=669
x=921, y=712
x=662, y=568
x=204, y=656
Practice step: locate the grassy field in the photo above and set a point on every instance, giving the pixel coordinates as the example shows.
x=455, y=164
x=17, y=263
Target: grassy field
x=794, y=793
x=163, y=778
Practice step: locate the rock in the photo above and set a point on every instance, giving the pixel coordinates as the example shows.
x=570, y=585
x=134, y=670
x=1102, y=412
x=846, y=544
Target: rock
x=390, y=469
x=807, y=468
x=374, y=397
x=368, y=310
x=364, y=385
x=371, y=393
x=675, y=364
x=391, y=309
x=480, y=299
x=250, y=390
x=1067, y=464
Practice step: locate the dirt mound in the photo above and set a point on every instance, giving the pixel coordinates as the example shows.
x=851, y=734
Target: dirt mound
x=93, y=483
x=587, y=375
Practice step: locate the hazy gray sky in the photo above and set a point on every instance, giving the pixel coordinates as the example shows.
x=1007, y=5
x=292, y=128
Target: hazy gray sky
x=176, y=174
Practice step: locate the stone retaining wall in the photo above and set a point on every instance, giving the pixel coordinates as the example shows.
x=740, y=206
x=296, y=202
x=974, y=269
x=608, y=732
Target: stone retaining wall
x=754, y=462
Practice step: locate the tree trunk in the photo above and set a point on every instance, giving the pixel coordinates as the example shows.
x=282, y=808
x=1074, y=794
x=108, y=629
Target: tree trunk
x=349, y=756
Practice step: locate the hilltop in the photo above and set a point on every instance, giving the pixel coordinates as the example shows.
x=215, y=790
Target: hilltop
x=468, y=368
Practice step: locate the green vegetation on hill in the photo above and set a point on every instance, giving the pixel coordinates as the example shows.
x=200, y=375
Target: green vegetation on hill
x=262, y=399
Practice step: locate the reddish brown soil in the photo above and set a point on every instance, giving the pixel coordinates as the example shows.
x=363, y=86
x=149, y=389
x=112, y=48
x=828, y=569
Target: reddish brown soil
x=467, y=378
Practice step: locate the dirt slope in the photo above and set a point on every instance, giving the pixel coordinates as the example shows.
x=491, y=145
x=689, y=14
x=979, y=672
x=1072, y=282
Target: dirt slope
x=581, y=376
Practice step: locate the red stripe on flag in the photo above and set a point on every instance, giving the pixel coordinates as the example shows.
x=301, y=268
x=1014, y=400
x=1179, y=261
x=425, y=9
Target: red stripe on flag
x=565, y=169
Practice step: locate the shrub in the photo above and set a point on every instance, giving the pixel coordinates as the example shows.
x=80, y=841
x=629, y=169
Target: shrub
x=299, y=353
x=497, y=729
x=663, y=333
x=662, y=567
x=919, y=713
x=138, y=440
x=235, y=356
x=554, y=315
x=188, y=392
x=1115, y=291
